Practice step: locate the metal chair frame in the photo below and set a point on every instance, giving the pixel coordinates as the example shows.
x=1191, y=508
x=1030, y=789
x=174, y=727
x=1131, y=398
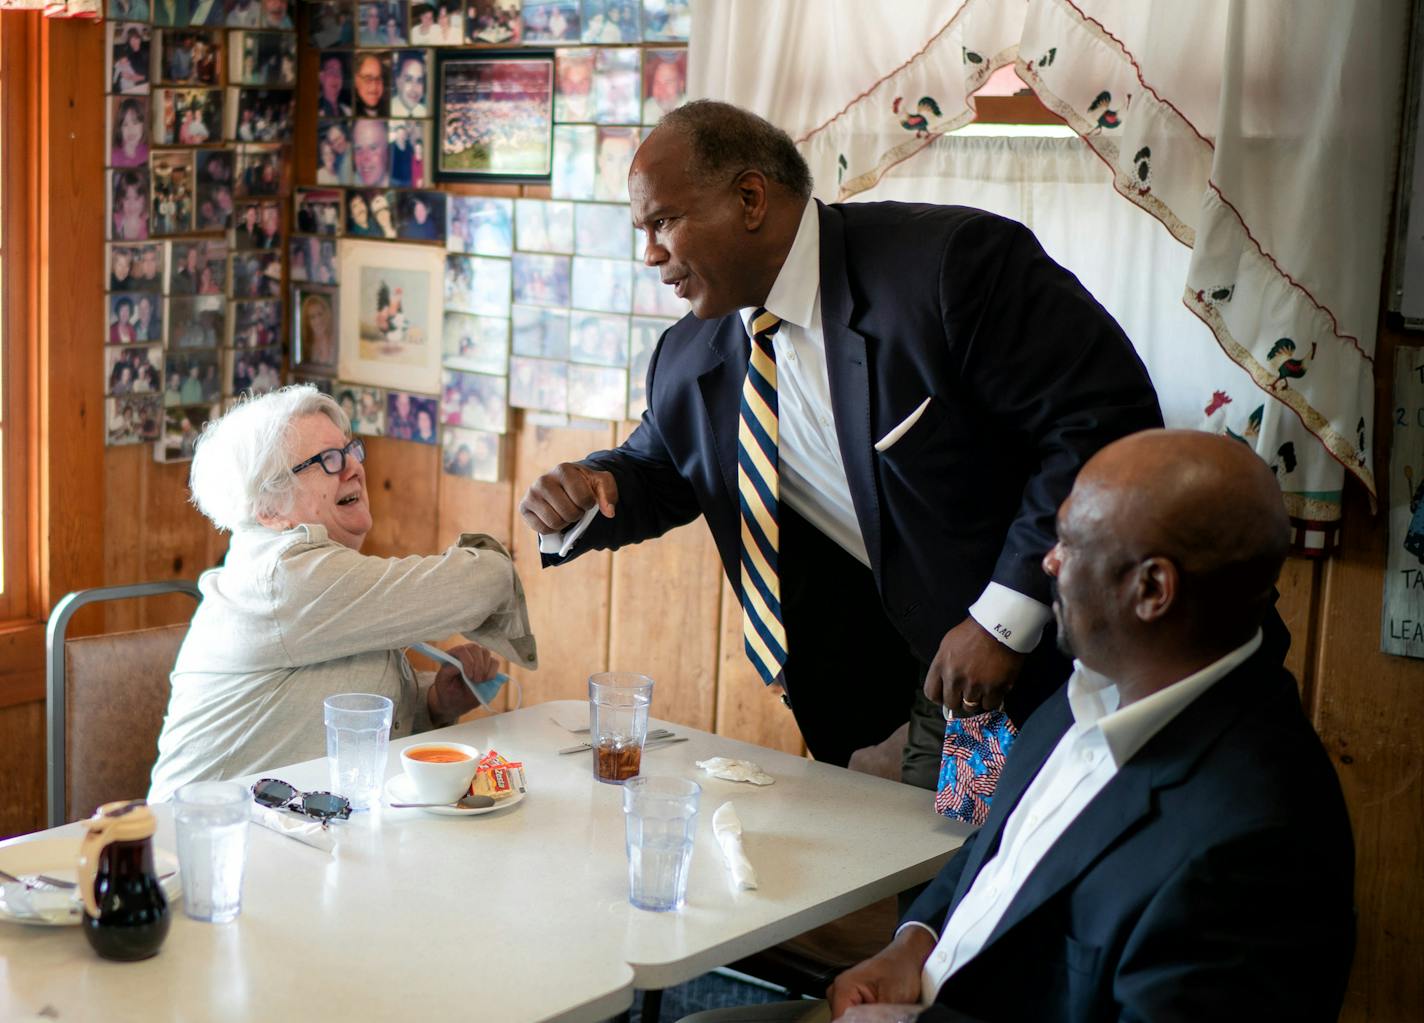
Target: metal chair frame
x=55, y=668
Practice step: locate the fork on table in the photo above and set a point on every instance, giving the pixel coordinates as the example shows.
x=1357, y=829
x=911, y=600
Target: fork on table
x=656, y=736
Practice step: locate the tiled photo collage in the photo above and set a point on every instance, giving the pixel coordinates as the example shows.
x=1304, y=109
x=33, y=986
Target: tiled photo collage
x=546, y=304
x=200, y=101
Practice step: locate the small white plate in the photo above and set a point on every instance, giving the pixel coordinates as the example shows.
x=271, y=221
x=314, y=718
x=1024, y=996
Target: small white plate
x=400, y=790
x=57, y=857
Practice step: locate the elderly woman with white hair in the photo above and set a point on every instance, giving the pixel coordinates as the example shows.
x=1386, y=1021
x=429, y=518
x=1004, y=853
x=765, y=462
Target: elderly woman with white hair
x=297, y=613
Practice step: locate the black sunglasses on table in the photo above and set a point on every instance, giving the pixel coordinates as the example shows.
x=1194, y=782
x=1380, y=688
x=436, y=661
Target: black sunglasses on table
x=333, y=460
x=281, y=795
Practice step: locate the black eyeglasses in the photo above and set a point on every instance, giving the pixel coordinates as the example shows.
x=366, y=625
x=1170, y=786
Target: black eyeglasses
x=323, y=806
x=333, y=460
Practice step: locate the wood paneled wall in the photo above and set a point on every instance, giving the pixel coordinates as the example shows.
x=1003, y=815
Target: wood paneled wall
x=113, y=515
x=1369, y=710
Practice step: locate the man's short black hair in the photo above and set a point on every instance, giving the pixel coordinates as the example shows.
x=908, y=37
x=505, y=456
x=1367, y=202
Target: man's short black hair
x=727, y=140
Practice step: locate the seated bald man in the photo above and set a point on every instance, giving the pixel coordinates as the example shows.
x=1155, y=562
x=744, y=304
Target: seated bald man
x=1168, y=840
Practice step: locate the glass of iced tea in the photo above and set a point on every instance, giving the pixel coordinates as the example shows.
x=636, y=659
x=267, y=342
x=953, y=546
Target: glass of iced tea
x=618, y=723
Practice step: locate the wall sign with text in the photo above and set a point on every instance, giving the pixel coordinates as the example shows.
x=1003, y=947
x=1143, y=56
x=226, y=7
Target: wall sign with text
x=1402, y=620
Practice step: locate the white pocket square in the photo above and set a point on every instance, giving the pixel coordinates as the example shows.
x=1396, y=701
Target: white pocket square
x=885, y=443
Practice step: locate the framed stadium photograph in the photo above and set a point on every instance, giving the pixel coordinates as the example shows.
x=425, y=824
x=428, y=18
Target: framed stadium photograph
x=494, y=115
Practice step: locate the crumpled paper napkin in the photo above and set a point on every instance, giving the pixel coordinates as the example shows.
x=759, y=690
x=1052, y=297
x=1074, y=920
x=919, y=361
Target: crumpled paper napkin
x=727, y=827
x=735, y=770
x=561, y=543
x=308, y=832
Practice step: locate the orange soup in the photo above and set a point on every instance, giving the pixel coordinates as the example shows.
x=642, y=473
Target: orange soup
x=438, y=755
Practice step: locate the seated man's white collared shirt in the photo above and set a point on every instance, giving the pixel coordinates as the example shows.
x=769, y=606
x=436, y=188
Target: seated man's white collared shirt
x=1100, y=741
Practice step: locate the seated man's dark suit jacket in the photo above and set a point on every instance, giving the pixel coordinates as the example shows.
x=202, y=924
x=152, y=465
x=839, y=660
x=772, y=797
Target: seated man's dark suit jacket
x=1211, y=879
x=1027, y=377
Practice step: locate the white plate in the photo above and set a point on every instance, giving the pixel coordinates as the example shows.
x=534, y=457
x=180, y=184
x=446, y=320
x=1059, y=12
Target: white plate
x=400, y=790
x=57, y=857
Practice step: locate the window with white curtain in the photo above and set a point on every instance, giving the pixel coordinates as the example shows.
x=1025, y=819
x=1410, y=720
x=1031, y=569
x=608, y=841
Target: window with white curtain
x=1045, y=177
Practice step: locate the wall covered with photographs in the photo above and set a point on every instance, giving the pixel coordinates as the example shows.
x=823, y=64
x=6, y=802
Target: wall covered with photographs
x=200, y=104
x=479, y=326
x=453, y=307
x=428, y=309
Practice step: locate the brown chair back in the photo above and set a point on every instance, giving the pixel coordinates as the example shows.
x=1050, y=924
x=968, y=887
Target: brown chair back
x=116, y=693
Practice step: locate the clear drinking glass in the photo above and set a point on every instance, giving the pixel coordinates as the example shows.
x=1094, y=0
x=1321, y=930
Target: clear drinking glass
x=660, y=815
x=618, y=723
x=358, y=730
x=211, y=820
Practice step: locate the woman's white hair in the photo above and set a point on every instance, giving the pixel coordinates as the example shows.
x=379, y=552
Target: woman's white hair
x=242, y=464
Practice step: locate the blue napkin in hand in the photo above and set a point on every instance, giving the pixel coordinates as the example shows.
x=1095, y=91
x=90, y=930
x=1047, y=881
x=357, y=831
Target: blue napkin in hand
x=485, y=691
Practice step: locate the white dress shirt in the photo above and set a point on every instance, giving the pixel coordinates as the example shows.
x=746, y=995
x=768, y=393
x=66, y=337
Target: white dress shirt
x=811, y=472
x=1101, y=739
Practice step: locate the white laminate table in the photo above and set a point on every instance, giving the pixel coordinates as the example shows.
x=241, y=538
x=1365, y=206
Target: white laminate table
x=511, y=916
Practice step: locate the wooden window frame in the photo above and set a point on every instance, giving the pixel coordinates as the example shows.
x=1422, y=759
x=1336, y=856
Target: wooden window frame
x=1020, y=109
x=19, y=602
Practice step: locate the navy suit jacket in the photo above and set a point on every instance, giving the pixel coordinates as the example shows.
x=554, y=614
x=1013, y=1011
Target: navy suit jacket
x=1212, y=878
x=1026, y=376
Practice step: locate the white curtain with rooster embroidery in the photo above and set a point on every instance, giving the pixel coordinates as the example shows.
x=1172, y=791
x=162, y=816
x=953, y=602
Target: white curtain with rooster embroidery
x=1256, y=138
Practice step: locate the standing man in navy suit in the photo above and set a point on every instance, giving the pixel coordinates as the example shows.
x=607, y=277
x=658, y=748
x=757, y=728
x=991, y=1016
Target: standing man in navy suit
x=940, y=381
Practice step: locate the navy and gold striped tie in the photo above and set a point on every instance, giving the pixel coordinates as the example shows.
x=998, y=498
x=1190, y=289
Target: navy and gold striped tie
x=760, y=496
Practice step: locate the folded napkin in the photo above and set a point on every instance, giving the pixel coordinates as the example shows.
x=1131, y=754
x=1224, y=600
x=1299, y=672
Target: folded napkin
x=308, y=832
x=727, y=826
x=571, y=718
x=40, y=903
x=735, y=770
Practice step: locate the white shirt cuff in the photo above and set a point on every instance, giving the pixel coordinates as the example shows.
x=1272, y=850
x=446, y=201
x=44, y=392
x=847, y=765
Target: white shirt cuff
x=915, y=923
x=1010, y=617
x=561, y=543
